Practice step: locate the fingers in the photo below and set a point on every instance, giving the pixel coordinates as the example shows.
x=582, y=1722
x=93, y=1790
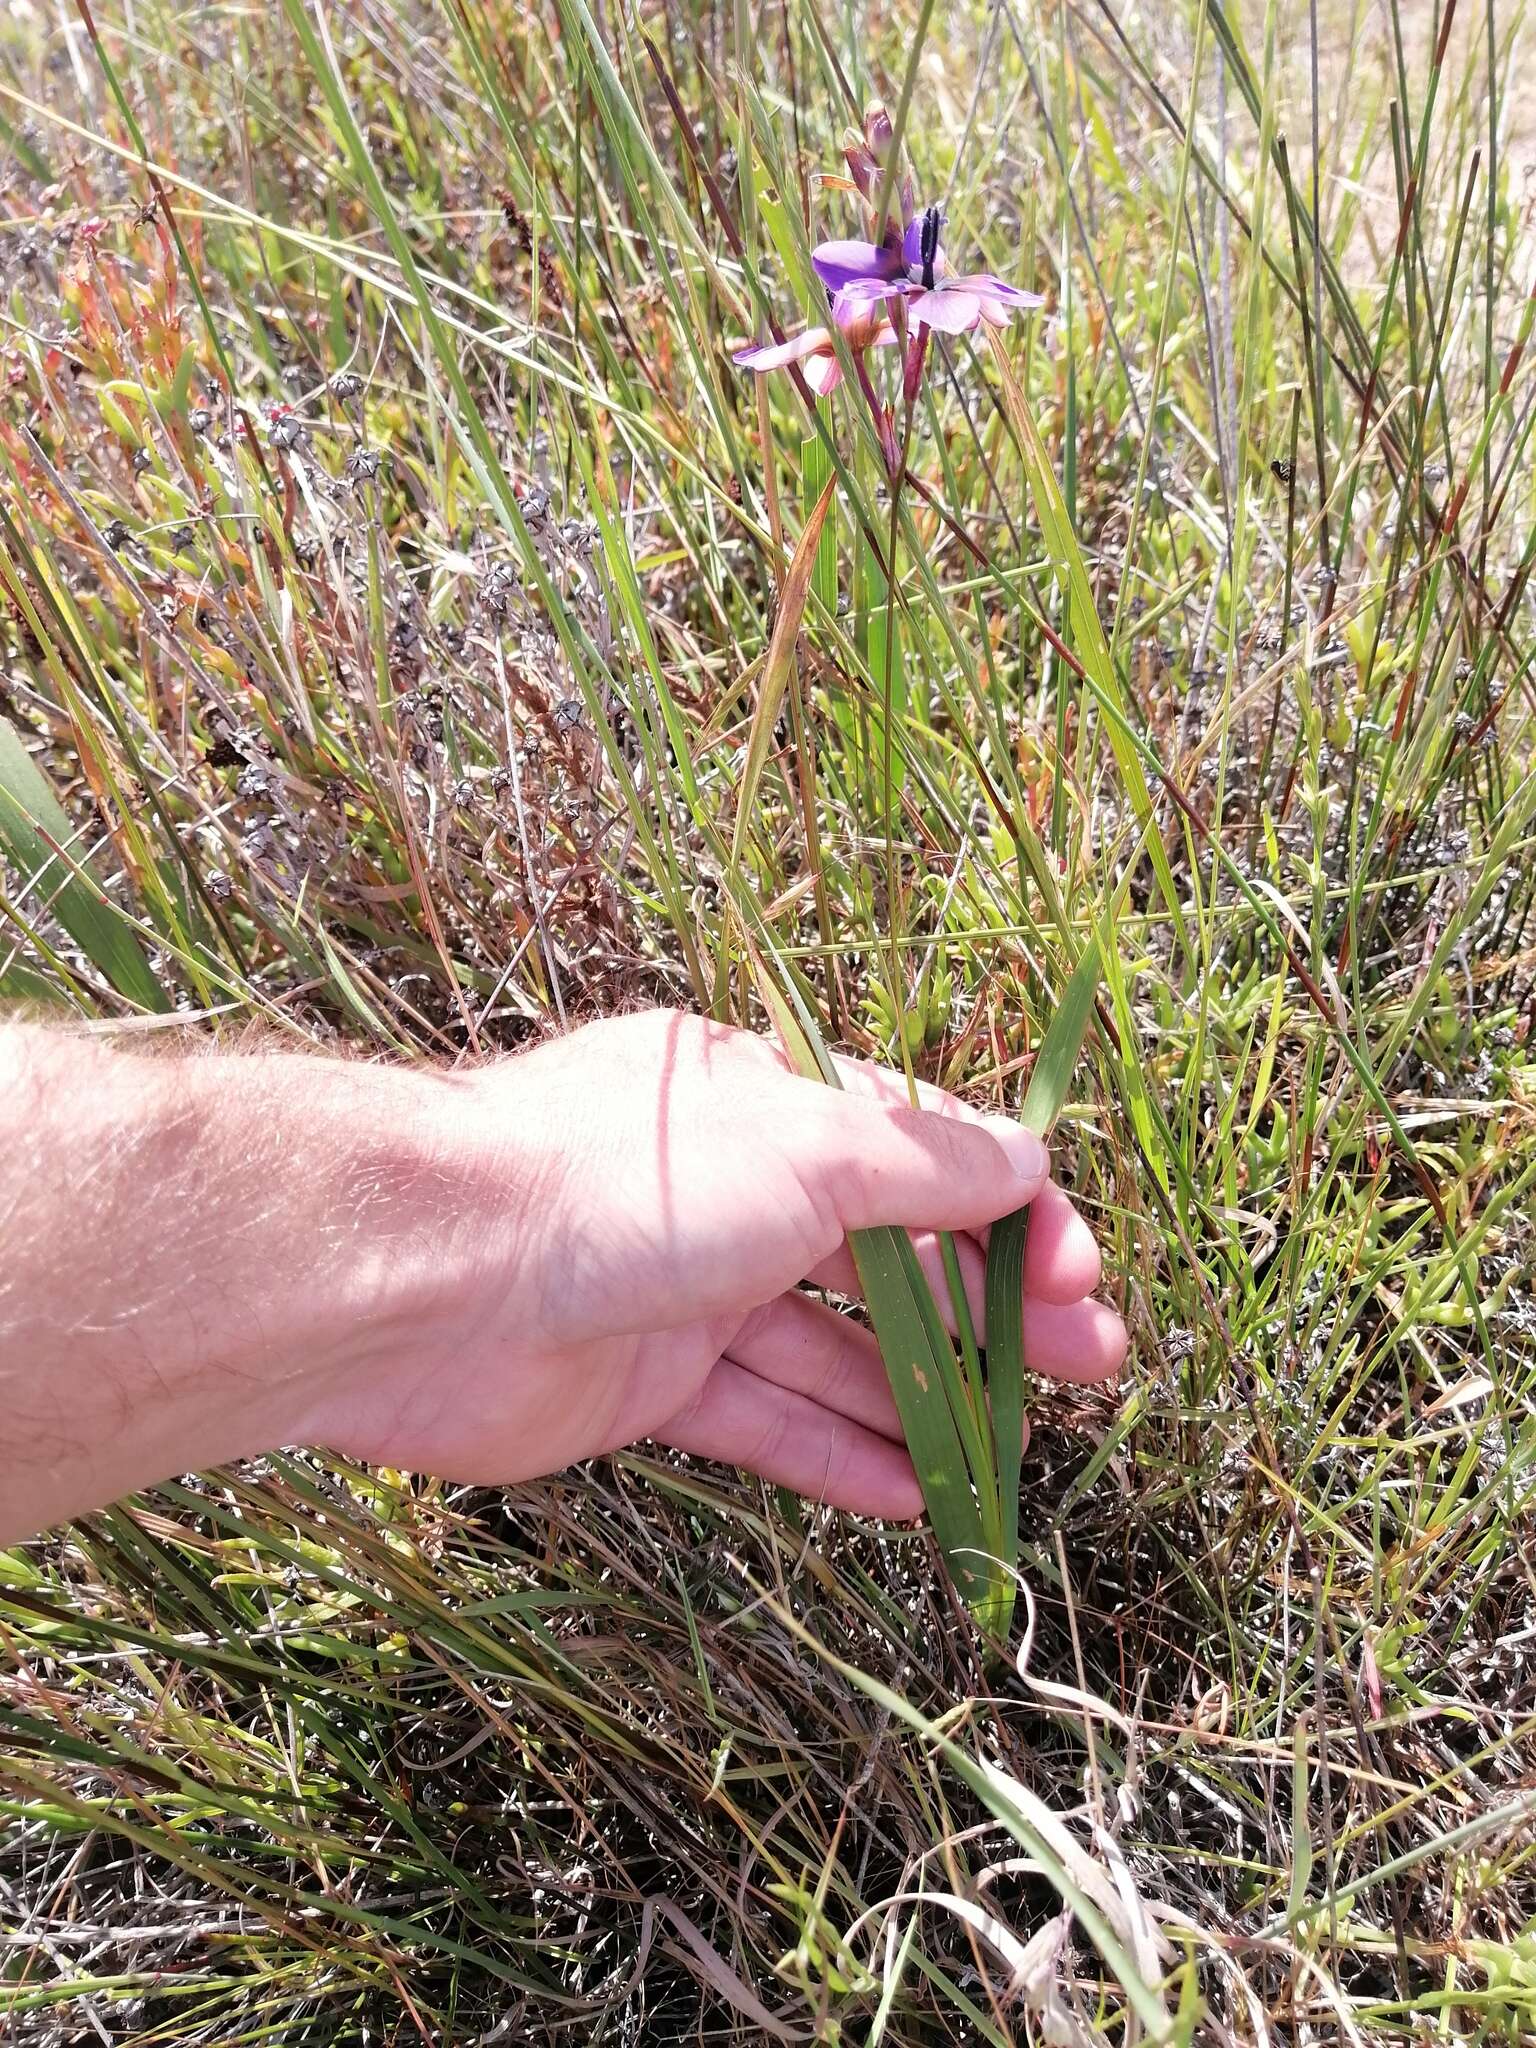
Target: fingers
x=889, y=1085
x=1076, y=1340
x=795, y=1442
x=839, y=1274
x=1061, y=1254
x=808, y=1348
x=1061, y=1262
x=1065, y=1336
x=864, y=1162
x=1061, y=1259
x=850, y=1455
x=1083, y=1341
x=802, y=1398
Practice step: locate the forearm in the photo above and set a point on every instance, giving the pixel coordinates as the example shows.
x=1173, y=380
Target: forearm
x=194, y=1246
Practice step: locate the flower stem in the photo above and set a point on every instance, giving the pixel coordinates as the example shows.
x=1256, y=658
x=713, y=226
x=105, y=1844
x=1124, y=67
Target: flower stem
x=893, y=916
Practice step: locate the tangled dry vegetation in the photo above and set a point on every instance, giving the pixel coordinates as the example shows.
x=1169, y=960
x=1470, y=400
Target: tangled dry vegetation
x=385, y=569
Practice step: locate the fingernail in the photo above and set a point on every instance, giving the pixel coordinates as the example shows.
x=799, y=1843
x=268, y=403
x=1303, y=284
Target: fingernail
x=1026, y=1154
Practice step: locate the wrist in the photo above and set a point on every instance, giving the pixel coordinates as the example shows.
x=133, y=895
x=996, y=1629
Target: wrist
x=421, y=1202
x=362, y=1188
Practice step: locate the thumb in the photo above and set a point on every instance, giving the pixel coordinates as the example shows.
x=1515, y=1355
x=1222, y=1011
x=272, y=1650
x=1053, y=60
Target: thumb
x=869, y=1162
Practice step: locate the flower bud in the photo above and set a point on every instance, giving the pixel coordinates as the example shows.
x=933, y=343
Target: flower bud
x=862, y=167
x=912, y=366
x=879, y=144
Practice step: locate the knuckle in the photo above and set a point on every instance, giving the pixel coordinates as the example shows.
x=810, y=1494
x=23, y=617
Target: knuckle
x=757, y=1324
x=769, y=1443
x=678, y=1425
x=950, y=1143
x=837, y=1362
x=847, y=1189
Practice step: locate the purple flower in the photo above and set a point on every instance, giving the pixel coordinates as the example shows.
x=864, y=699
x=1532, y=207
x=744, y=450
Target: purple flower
x=862, y=274
x=864, y=326
x=840, y=264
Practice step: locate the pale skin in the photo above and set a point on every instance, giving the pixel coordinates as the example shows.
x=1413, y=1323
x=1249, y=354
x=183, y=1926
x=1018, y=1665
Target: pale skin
x=486, y=1274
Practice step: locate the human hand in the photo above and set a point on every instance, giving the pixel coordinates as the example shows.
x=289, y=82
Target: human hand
x=636, y=1207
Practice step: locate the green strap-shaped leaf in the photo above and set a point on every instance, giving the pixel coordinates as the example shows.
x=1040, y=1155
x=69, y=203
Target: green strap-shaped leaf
x=1048, y=1086
x=914, y=1344
x=1005, y=1381
x=38, y=838
x=1056, y=1062
x=902, y=1310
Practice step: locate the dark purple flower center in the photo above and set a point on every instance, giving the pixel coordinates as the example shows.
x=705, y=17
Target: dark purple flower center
x=928, y=246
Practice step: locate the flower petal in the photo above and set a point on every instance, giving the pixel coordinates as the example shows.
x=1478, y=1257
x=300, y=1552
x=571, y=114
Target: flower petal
x=859, y=302
x=843, y=263
x=949, y=310
x=773, y=355
x=823, y=374
x=985, y=285
x=864, y=291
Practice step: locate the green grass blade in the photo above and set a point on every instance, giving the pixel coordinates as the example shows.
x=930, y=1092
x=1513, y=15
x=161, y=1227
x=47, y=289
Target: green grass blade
x=1048, y=1086
x=37, y=836
x=815, y=474
x=780, y=662
x=920, y=1368
x=1087, y=630
x=1055, y=1063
